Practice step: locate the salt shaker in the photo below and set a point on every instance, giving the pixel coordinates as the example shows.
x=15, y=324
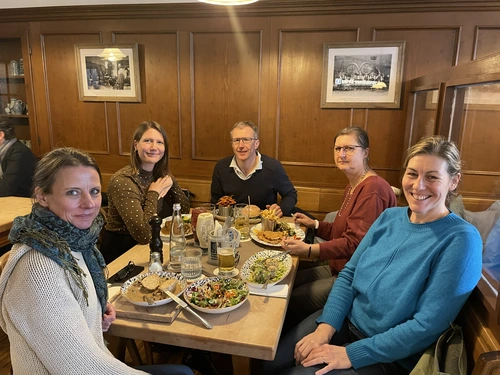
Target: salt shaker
x=155, y=264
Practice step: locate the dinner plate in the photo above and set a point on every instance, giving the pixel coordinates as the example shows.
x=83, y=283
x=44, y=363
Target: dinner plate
x=285, y=267
x=223, y=218
x=169, y=218
x=200, y=286
x=299, y=233
x=163, y=274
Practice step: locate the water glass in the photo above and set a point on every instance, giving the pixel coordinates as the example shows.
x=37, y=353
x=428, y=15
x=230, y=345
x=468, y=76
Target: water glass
x=191, y=264
x=241, y=220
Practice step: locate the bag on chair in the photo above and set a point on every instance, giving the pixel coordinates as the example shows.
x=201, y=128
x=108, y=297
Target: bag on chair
x=446, y=356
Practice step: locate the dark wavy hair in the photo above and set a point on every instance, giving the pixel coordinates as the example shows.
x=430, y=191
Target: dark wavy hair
x=7, y=129
x=161, y=168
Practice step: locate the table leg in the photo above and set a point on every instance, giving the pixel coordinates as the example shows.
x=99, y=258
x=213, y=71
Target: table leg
x=241, y=365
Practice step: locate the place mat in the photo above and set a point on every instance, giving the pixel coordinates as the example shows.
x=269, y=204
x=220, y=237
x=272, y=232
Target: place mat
x=164, y=313
x=278, y=291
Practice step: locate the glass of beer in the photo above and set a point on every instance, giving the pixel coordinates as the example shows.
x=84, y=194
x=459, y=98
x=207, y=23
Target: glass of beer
x=241, y=220
x=226, y=261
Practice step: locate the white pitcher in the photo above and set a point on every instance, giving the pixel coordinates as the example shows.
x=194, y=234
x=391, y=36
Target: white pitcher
x=204, y=226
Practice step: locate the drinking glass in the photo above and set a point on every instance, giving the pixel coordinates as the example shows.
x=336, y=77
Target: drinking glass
x=241, y=220
x=191, y=264
x=226, y=261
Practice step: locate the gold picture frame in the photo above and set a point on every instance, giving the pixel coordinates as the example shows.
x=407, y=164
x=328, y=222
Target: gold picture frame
x=108, y=73
x=362, y=75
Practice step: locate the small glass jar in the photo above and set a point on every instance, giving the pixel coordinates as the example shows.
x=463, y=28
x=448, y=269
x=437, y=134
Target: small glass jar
x=155, y=263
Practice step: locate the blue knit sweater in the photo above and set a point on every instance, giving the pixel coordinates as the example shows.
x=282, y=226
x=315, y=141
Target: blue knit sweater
x=403, y=286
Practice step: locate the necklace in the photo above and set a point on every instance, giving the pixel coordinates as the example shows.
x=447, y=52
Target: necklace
x=346, y=201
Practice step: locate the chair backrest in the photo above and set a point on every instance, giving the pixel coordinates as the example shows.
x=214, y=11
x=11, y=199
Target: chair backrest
x=3, y=260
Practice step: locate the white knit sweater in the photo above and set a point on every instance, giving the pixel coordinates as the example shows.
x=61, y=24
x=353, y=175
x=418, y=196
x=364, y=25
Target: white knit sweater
x=50, y=327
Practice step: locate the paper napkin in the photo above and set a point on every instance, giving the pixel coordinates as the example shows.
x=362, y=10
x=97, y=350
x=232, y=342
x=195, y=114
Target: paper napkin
x=279, y=291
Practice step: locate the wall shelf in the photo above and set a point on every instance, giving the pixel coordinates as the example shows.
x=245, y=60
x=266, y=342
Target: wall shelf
x=13, y=116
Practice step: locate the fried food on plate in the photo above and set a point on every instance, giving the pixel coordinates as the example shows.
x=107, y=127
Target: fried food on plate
x=270, y=237
x=226, y=201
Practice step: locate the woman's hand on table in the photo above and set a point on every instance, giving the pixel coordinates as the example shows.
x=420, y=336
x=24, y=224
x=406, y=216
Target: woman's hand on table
x=305, y=347
x=296, y=247
x=303, y=219
x=108, y=317
x=277, y=209
x=161, y=186
x=333, y=356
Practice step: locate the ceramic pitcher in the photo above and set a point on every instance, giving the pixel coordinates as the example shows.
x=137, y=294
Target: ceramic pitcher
x=204, y=226
x=17, y=107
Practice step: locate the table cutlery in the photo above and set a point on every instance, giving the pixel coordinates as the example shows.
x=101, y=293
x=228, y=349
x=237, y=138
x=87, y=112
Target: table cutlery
x=264, y=286
x=184, y=305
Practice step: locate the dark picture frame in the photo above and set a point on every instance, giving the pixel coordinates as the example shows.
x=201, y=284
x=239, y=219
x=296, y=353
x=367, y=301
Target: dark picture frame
x=108, y=73
x=362, y=74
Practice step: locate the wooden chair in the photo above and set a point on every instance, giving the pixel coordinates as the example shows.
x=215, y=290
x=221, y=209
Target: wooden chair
x=3, y=260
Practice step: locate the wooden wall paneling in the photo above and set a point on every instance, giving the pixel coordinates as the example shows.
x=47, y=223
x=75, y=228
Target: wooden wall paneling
x=480, y=139
x=159, y=72
x=487, y=41
x=427, y=48
x=305, y=130
x=226, y=73
x=71, y=122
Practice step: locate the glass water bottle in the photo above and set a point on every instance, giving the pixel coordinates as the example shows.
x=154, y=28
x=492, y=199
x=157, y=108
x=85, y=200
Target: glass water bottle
x=177, y=238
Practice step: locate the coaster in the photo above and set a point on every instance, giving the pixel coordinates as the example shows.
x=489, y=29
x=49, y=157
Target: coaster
x=235, y=273
x=189, y=281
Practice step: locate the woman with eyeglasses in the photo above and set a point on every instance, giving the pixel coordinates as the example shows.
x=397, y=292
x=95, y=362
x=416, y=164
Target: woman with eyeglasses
x=53, y=289
x=365, y=197
x=404, y=285
x=139, y=191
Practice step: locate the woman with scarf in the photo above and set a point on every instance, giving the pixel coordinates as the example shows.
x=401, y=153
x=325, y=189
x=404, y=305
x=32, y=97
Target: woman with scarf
x=53, y=290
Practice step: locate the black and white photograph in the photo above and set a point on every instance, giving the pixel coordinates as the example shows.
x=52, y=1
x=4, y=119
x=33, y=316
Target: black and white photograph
x=108, y=73
x=362, y=75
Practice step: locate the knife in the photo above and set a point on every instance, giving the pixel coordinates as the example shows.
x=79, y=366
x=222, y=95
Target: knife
x=184, y=305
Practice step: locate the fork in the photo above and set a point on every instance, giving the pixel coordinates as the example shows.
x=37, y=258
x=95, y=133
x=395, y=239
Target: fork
x=264, y=286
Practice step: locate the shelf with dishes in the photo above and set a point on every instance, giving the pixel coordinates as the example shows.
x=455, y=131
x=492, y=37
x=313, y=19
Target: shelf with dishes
x=13, y=116
x=13, y=79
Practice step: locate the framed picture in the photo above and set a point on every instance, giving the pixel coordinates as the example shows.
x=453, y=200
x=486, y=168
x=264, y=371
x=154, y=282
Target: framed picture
x=362, y=75
x=108, y=73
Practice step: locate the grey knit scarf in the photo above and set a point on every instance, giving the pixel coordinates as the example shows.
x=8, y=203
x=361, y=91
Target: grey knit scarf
x=55, y=238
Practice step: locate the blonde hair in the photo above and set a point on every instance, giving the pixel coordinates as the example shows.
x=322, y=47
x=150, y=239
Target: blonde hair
x=438, y=146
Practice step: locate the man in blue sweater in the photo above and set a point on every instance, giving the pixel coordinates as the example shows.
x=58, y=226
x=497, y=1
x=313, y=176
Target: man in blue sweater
x=250, y=174
x=404, y=285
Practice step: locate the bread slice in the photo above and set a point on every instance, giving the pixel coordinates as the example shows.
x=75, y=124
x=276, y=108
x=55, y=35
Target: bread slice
x=151, y=282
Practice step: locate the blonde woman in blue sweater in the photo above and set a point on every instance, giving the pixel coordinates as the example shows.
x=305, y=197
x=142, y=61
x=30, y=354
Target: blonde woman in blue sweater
x=404, y=285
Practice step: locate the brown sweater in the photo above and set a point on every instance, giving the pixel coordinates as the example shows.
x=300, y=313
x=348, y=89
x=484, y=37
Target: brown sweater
x=131, y=204
x=369, y=199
